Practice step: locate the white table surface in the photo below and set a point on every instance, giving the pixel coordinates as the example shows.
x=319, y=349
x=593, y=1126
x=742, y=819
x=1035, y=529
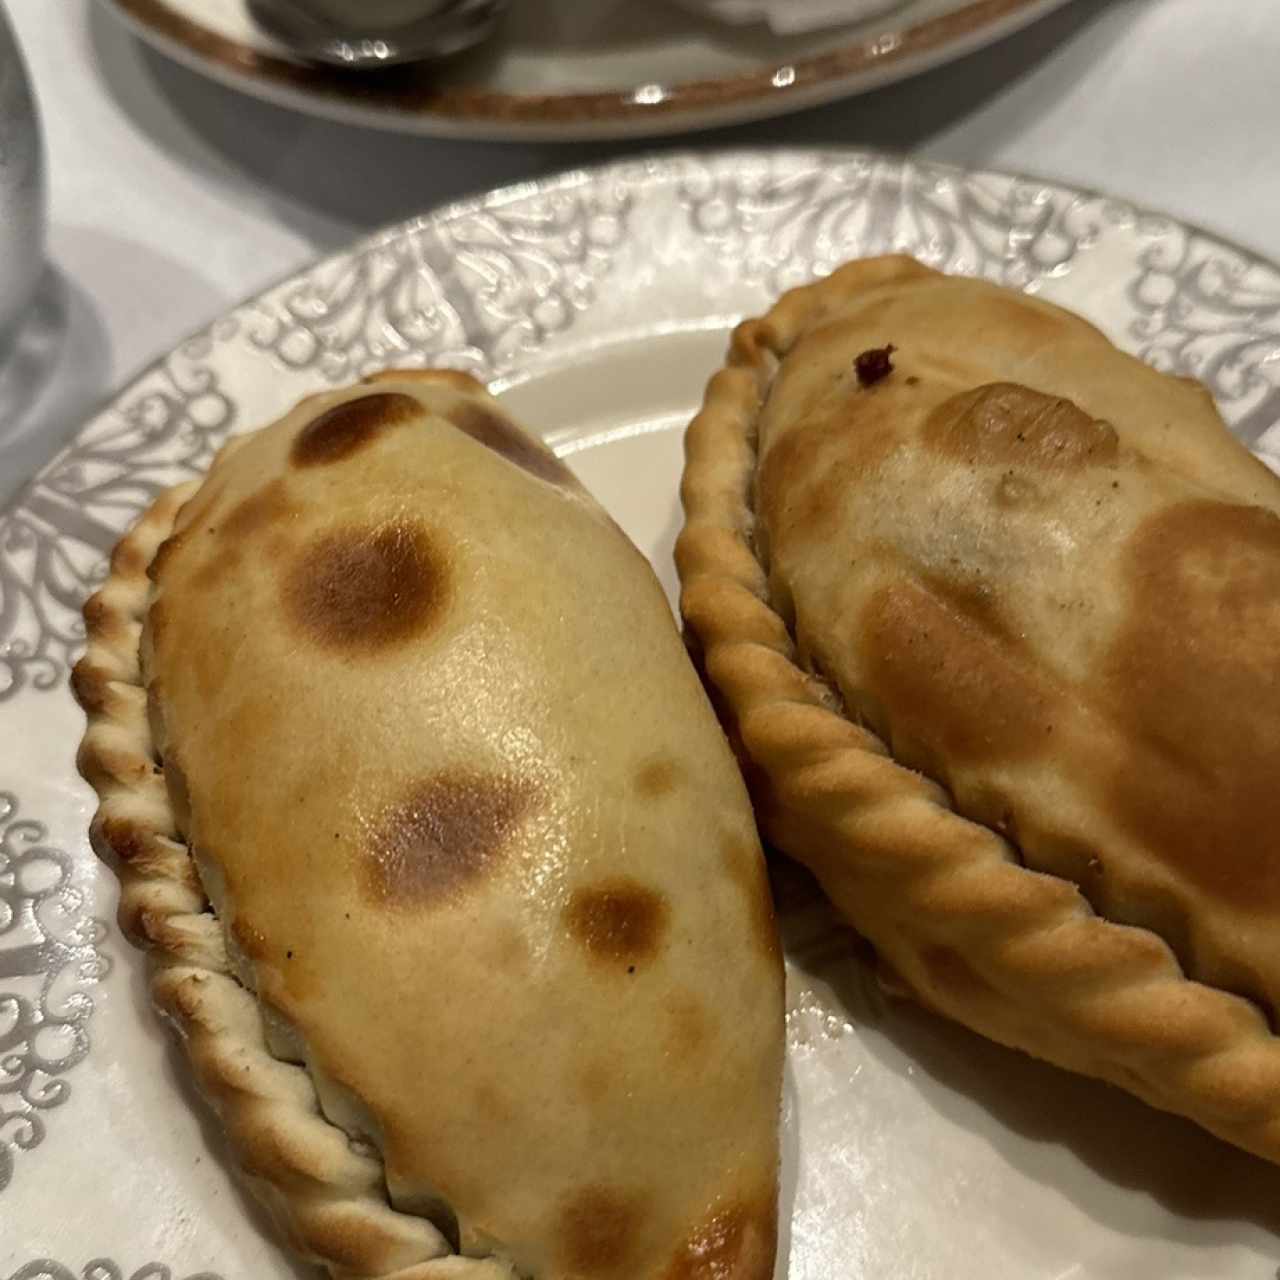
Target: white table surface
x=172, y=198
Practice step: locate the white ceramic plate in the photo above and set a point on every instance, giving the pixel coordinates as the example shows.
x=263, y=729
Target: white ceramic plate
x=566, y=69
x=597, y=303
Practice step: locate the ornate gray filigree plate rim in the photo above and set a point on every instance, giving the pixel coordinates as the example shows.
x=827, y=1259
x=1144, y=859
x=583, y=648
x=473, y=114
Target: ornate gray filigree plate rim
x=24, y=658
x=99, y=1269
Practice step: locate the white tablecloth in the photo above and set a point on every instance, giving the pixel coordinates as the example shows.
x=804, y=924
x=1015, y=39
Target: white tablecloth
x=173, y=198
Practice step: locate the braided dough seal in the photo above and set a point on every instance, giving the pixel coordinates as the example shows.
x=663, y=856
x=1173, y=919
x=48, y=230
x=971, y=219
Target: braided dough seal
x=992, y=619
x=439, y=853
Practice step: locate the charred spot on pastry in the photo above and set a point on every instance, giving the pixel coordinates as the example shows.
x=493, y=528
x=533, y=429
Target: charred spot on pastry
x=736, y=1240
x=597, y=1230
x=954, y=682
x=1005, y=424
x=658, y=777
x=492, y=429
x=619, y=922
x=874, y=364
x=341, y=431
x=806, y=477
x=448, y=834
x=1193, y=679
x=368, y=587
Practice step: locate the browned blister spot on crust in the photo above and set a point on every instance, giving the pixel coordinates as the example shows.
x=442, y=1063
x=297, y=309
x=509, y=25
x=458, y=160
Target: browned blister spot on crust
x=620, y=921
x=874, y=364
x=1004, y=424
x=951, y=680
x=449, y=833
x=91, y=685
x=363, y=588
x=658, y=777
x=1194, y=679
x=745, y=867
x=346, y=428
x=597, y=1229
x=808, y=475
x=737, y=1242
x=976, y=600
x=490, y=428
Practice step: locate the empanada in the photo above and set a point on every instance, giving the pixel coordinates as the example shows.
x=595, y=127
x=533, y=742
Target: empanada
x=491, y=965
x=992, y=612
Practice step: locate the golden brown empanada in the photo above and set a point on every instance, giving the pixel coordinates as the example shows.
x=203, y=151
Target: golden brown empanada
x=491, y=965
x=993, y=618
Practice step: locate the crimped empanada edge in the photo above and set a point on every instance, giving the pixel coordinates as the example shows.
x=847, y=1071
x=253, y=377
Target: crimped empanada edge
x=328, y=1199
x=1034, y=967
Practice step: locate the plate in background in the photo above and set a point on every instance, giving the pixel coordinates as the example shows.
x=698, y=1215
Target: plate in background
x=912, y=1149
x=563, y=69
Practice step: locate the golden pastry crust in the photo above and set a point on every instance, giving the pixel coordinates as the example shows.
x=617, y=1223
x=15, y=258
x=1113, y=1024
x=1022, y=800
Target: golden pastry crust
x=328, y=1197
x=368, y=552
x=1015, y=953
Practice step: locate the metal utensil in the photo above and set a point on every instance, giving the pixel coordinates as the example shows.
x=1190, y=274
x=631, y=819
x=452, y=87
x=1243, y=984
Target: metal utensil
x=380, y=35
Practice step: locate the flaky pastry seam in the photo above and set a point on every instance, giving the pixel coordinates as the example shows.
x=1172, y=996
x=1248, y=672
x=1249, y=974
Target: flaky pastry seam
x=1051, y=977
x=327, y=1198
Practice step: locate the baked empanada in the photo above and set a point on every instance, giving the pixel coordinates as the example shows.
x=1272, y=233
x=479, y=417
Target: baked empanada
x=491, y=967
x=991, y=611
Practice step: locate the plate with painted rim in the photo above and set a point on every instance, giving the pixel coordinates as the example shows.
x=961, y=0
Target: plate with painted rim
x=912, y=1149
x=560, y=70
